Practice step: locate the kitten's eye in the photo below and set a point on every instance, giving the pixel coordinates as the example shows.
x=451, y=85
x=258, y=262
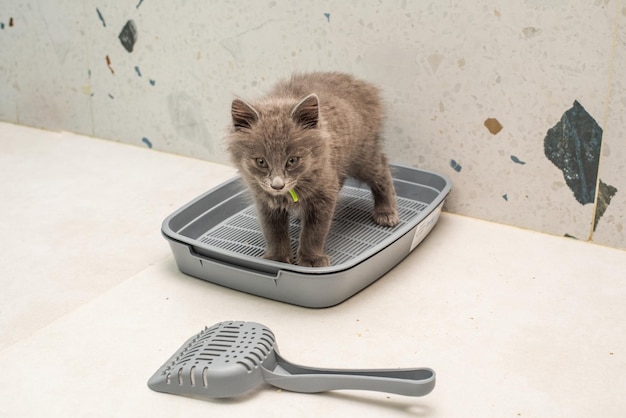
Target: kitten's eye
x=261, y=163
x=292, y=161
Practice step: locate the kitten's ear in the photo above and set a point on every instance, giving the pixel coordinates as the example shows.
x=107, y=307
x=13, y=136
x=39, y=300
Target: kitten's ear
x=307, y=113
x=243, y=114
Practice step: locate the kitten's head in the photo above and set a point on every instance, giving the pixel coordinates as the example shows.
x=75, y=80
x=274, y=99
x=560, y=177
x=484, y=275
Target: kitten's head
x=277, y=143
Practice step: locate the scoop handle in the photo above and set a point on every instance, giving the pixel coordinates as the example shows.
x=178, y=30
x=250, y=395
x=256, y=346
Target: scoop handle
x=296, y=378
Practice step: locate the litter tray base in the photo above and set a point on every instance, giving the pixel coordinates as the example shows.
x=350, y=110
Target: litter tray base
x=217, y=237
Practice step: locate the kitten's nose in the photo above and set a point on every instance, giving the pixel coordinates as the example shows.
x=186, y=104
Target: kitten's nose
x=278, y=183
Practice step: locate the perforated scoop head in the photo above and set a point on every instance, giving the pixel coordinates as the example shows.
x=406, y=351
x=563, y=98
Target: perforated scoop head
x=221, y=361
x=231, y=358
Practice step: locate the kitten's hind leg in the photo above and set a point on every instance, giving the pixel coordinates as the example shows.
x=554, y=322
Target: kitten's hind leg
x=379, y=179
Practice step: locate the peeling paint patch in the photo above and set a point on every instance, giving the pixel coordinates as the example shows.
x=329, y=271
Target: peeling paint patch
x=187, y=118
x=605, y=194
x=455, y=166
x=101, y=17
x=128, y=35
x=146, y=141
x=573, y=145
x=435, y=61
x=493, y=125
x=517, y=160
x=530, y=32
x=235, y=44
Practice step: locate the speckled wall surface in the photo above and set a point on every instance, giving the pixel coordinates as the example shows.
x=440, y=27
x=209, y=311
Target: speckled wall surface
x=521, y=104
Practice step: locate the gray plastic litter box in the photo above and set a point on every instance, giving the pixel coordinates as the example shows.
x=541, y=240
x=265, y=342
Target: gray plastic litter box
x=217, y=237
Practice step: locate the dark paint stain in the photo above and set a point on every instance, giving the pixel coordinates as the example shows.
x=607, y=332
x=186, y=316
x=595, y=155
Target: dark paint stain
x=137, y=71
x=152, y=82
x=139, y=4
x=573, y=145
x=327, y=15
x=146, y=141
x=1, y=25
x=10, y=22
x=517, y=160
x=605, y=194
x=505, y=197
x=101, y=17
x=456, y=166
x=493, y=125
x=111, y=96
x=109, y=64
x=128, y=35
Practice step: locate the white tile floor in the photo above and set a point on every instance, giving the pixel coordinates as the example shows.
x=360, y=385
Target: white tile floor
x=515, y=323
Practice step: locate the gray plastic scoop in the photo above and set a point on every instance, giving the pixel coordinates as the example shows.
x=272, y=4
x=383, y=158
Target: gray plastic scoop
x=232, y=358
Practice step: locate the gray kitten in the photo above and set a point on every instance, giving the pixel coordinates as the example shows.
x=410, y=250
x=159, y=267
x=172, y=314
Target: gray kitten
x=294, y=148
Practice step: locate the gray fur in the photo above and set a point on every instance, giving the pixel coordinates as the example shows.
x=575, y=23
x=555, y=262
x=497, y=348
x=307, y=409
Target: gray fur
x=310, y=133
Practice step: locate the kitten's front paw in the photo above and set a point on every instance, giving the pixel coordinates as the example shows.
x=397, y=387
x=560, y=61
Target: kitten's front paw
x=386, y=217
x=313, y=260
x=275, y=257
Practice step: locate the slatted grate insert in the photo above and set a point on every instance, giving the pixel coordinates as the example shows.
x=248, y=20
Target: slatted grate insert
x=353, y=230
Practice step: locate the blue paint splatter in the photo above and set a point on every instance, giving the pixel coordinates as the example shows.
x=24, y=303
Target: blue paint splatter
x=517, y=160
x=327, y=15
x=456, y=166
x=152, y=82
x=111, y=96
x=139, y=4
x=146, y=141
x=137, y=71
x=101, y=17
x=1, y=25
x=505, y=197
